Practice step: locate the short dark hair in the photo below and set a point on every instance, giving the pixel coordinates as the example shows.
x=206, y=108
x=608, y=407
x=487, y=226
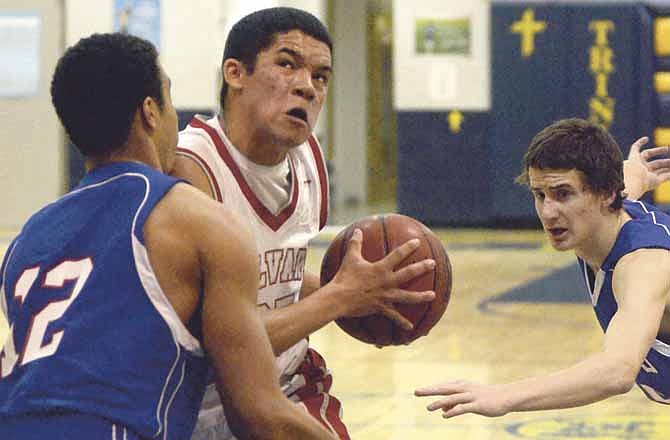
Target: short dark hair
x=258, y=31
x=581, y=145
x=98, y=85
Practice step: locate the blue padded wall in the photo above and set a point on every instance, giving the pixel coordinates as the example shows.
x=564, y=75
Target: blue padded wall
x=528, y=92
x=443, y=175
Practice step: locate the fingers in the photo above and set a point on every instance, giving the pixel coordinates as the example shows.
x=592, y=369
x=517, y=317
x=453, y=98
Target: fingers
x=399, y=254
x=403, y=297
x=408, y=296
x=412, y=271
x=459, y=410
x=653, y=152
x=658, y=164
x=635, y=148
x=442, y=389
x=397, y=317
x=355, y=243
x=450, y=401
x=459, y=400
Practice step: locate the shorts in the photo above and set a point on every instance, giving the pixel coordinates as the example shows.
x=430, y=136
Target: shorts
x=63, y=426
x=314, y=395
x=309, y=387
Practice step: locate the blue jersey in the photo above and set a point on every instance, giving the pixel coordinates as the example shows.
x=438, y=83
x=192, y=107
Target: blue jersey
x=91, y=331
x=649, y=228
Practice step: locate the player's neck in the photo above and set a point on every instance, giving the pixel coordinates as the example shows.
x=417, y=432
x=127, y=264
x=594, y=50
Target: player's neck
x=136, y=150
x=596, y=250
x=256, y=146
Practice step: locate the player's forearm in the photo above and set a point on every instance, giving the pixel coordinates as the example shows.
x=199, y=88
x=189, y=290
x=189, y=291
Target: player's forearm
x=310, y=284
x=594, y=379
x=288, y=325
x=276, y=418
x=295, y=423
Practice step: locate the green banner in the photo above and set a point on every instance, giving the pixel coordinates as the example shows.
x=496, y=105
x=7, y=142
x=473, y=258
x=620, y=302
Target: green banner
x=443, y=36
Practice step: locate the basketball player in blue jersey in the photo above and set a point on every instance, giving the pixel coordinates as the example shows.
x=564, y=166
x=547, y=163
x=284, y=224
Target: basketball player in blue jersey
x=120, y=293
x=574, y=169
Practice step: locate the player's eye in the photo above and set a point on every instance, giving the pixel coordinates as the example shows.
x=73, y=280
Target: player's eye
x=539, y=195
x=287, y=64
x=322, y=78
x=562, y=194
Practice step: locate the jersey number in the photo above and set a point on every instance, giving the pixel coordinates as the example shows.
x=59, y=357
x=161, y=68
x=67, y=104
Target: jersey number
x=35, y=346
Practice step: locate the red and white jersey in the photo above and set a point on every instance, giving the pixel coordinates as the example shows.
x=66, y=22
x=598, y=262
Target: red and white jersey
x=281, y=237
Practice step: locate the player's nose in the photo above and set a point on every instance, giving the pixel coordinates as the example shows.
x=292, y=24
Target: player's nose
x=548, y=211
x=303, y=85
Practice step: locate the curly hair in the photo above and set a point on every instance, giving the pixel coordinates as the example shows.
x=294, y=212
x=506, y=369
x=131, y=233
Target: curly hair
x=98, y=85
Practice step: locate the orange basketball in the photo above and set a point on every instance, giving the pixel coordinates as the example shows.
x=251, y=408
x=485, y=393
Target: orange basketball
x=381, y=234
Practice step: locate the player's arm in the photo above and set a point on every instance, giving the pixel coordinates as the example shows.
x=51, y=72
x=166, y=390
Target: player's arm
x=236, y=340
x=188, y=169
x=641, y=281
x=311, y=282
x=198, y=243
x=4, y=311
x=643, y=171
x=359, y=288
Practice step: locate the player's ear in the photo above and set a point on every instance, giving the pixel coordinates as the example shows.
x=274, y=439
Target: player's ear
x=149, y=112
x=233, y=71
x=607, y=201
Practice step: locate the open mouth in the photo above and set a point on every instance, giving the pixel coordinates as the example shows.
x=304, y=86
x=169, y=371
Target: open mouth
x=557, y=232
x=298, y=113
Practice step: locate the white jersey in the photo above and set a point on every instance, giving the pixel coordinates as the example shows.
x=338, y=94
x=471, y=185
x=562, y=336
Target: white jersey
x=281, y=237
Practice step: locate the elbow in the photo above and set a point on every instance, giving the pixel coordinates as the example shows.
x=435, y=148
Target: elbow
x=622, y=379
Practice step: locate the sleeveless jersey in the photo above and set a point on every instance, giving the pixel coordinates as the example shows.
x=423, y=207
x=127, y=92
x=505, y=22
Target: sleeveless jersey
x=649, y=228
x=281, y=238
x=91, y=331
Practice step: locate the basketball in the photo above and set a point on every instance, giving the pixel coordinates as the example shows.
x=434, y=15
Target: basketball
x=381, y=234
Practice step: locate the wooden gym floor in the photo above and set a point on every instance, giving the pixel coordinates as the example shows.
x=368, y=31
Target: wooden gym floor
x=517, y=310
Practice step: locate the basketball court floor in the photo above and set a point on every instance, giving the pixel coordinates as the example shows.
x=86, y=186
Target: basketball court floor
x=517, y=309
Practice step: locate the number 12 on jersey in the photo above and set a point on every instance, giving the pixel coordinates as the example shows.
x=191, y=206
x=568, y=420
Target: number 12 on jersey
x=35, y=347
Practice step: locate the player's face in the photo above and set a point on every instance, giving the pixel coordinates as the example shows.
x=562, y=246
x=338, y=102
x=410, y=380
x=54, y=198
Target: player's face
x=571, y=215
x=168, y=130
x=287, y=89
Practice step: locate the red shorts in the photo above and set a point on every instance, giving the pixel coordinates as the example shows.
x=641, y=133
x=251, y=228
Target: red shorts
x=314, y=394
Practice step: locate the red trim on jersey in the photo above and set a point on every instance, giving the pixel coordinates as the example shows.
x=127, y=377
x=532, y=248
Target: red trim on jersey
x=313, y=394
x=203, y=164
x=323, y=179
x=273, y=221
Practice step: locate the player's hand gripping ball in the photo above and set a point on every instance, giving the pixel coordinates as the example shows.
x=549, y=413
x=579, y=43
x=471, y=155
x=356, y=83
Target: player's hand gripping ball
x=382, y=234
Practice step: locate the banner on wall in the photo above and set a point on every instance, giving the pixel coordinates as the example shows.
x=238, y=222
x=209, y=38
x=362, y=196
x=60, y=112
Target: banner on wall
x=20, y=54
x=141, y=18
x=441, y=55
x=442, y=36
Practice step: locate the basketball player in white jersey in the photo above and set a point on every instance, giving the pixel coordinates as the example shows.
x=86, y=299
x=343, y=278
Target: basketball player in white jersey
x=260, y=159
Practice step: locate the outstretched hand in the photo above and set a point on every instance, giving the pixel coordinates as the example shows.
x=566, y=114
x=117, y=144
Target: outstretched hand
x=372, y=288
x=644, y=170
x=465, y=397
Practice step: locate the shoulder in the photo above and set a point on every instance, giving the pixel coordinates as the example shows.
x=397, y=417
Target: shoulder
x=190, y=224
x=187, y=206
x=194, y=171
x=642, y=269
x=196, y=137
